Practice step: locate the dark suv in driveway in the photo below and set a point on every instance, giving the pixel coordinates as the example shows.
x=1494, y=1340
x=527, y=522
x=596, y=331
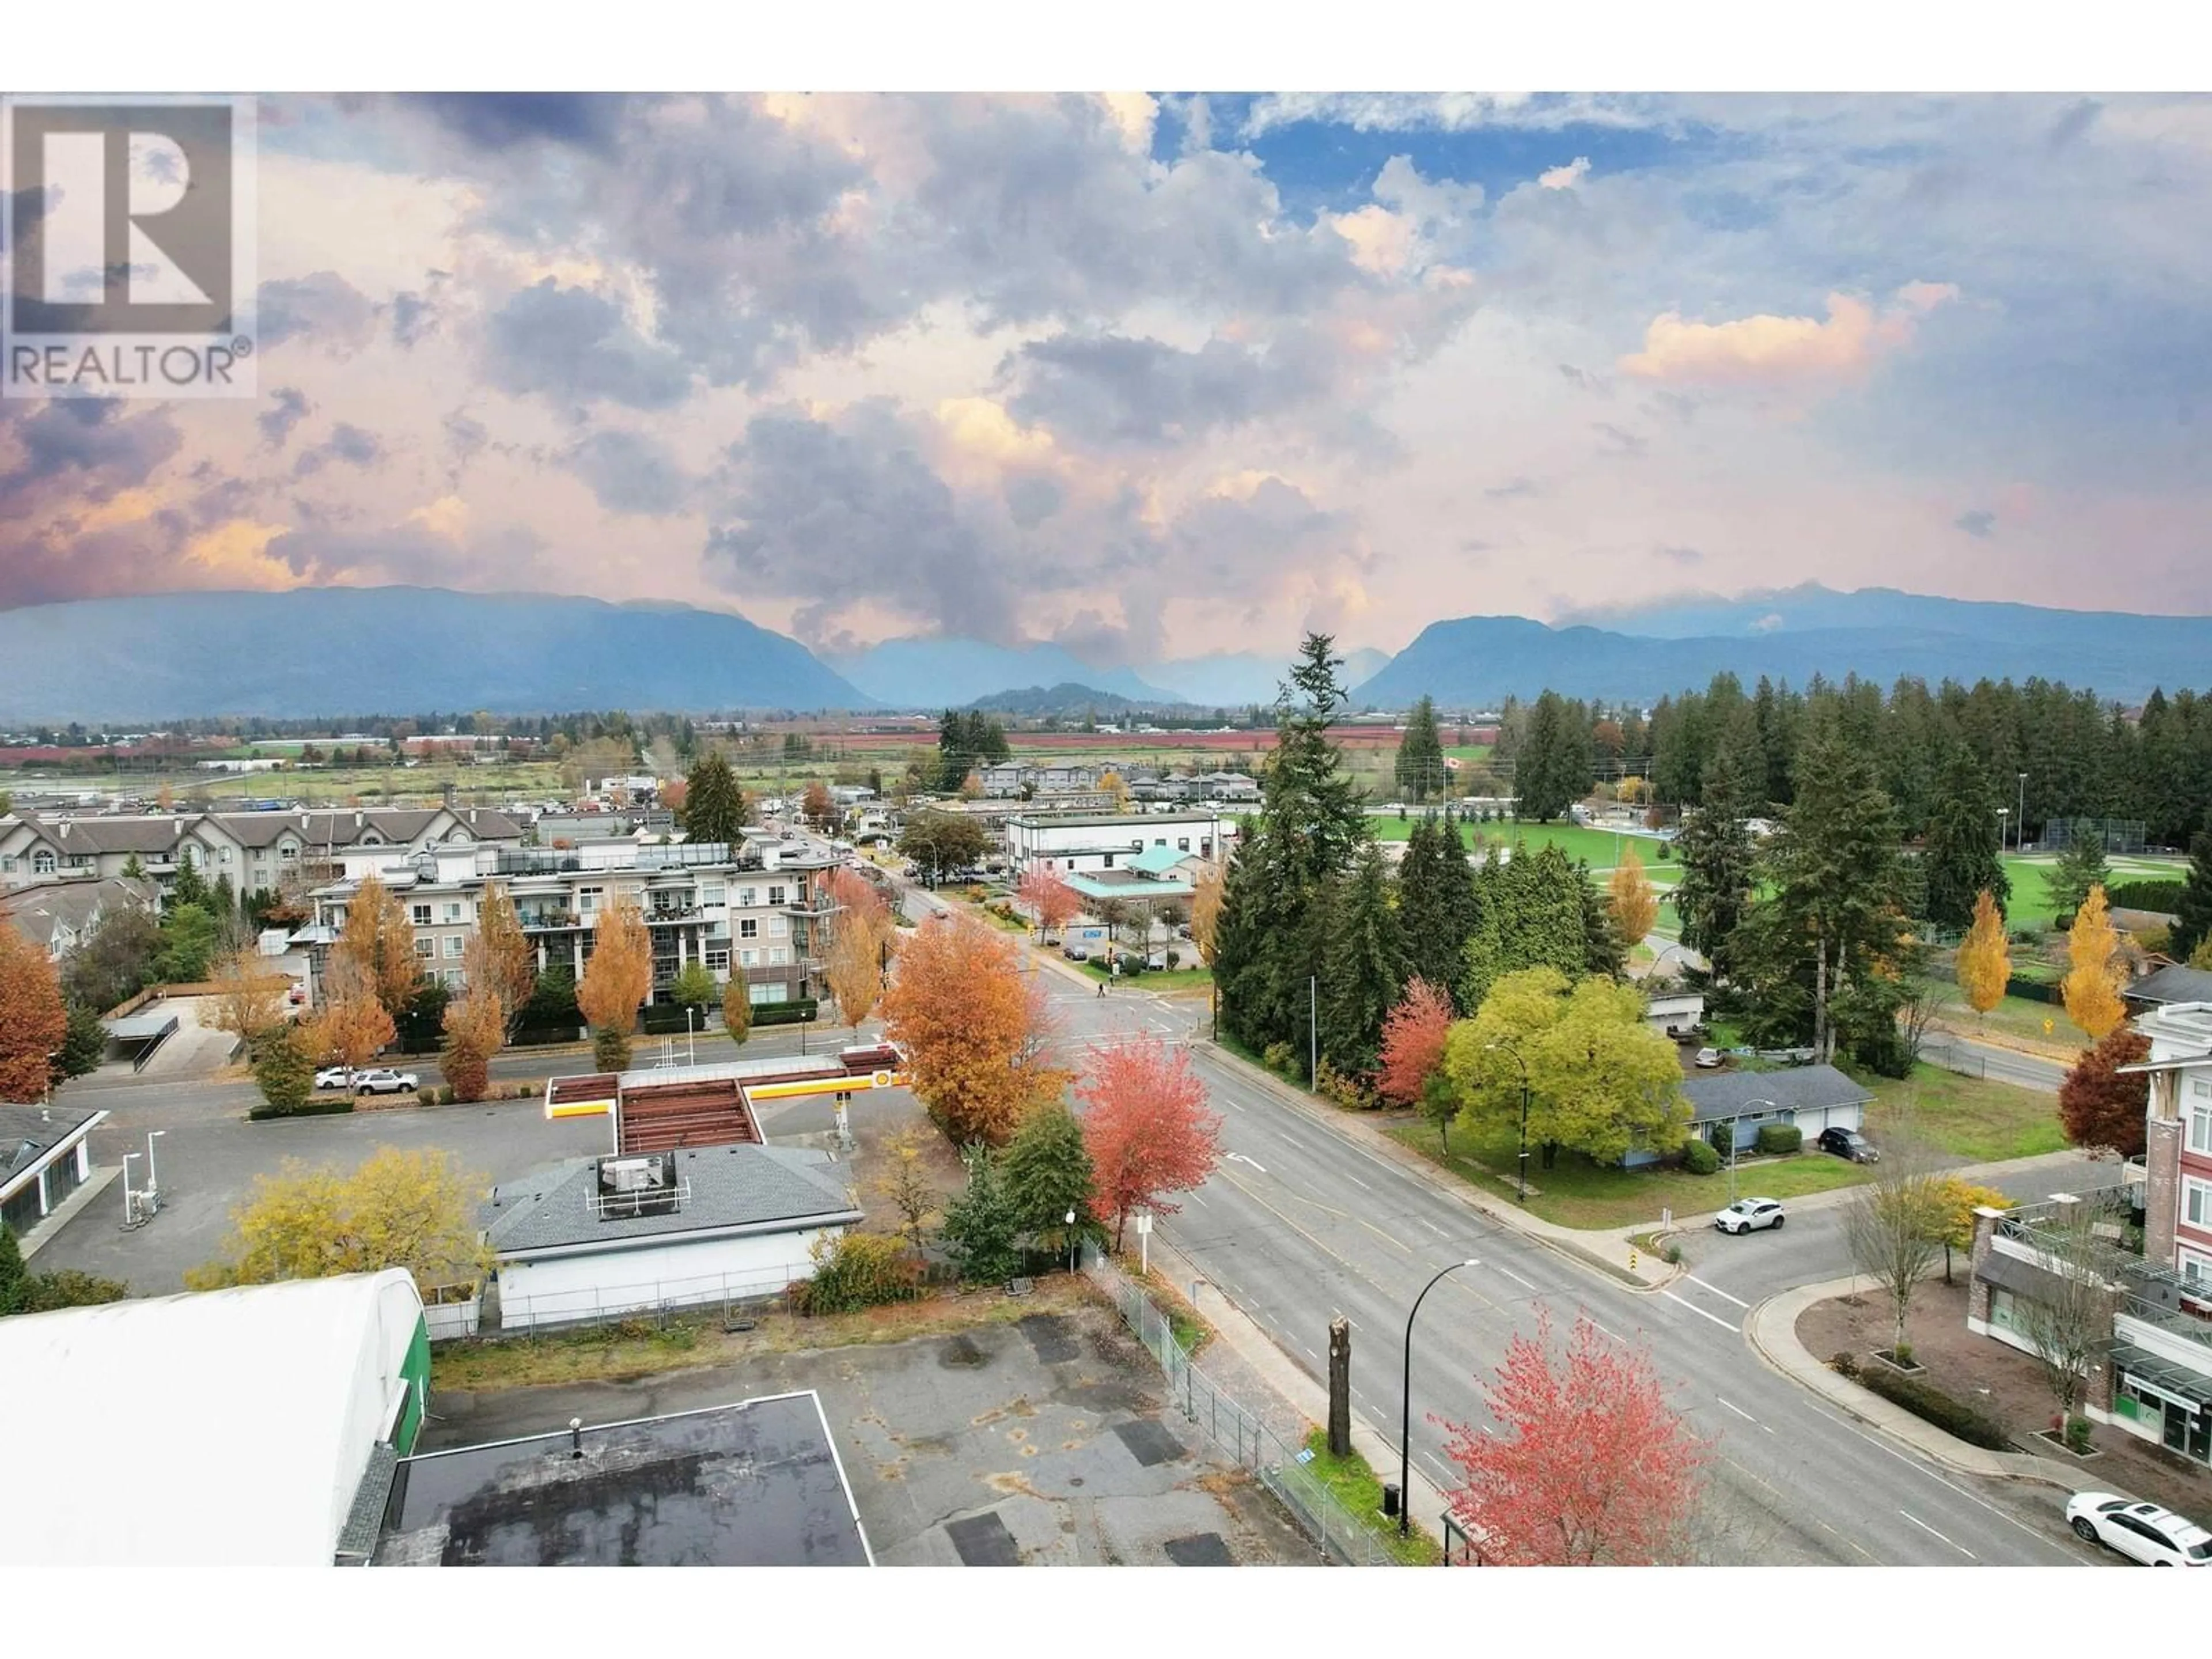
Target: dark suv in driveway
x=1848, y=1142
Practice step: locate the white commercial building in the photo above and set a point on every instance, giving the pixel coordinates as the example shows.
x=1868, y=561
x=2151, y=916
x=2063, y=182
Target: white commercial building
x=1065, y=843
x=233, y=1428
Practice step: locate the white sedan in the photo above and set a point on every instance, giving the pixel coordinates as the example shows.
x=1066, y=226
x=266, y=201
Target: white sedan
x=333, y=1076
x=2141, y=1532
x=1749, y=1214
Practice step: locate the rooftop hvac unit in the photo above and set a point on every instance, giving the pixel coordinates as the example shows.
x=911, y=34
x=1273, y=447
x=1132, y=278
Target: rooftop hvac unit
x=632, y=1174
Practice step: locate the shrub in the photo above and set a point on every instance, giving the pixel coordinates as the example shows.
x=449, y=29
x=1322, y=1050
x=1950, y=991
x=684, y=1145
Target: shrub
x=1844, y=1364
x=1780, y=1140
x=1345, y=1088
x=1932, y=1405
x=1698, y=1157
x=1902, y=1353
x=1884, y=1052
x=2077, y=1435
x=1175, y=958
x=855, y=1270
x=446, y=1095
x=426, y=1096
x=1666, y=851
x=1282, y=1060
x=2158, y=941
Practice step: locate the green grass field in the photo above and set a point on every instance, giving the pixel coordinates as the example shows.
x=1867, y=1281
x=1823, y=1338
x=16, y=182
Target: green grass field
x=1576, y=1193
x=2030, y=905
x=1600, y=848
x=1966, y=1117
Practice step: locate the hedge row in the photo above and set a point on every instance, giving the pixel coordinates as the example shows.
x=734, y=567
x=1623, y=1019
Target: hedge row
x=2163, y=897
x=1933, y=1405
x=1780, y=1140
x=312, y=1108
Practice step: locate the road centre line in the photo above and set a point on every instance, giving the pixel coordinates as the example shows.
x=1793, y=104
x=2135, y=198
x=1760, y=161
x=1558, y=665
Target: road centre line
x=1386, y=1238
x=1932, y=1533
x=1357, y=1181
x=1431, y=1226
x=1517, y=1278
x=1701, y=1312
x=1717, y=1290
x=1737, y=1409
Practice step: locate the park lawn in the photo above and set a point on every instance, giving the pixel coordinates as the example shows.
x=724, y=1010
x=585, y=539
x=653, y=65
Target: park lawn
x=1576, y=1193
x=1968, y=1117
x=1167, y=979
x=2020, y=1021
x=1599, y=848
x=1354, y=1484
x=2030, y=904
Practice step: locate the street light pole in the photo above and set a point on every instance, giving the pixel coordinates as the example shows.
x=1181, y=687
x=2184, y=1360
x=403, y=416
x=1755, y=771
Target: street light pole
x=1071, y=1241
x=129, y=1210
x=1406, y=1405
x=1521, y=1190
x=153, y=1175
x=2020, y=830
x=1313, y=1030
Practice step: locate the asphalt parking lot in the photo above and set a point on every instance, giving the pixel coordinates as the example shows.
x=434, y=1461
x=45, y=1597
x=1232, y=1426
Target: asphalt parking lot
x=1047, y=1441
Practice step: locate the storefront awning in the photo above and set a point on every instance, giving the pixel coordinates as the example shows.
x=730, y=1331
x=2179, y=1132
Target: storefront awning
x=2192, y=1388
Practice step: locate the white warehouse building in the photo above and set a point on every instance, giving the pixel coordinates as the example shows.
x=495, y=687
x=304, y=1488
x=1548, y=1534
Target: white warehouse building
x=1065, y=843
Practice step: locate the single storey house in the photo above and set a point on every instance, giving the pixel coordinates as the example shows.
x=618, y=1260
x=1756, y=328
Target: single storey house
x=1674, y=1013
x=1727, y=1106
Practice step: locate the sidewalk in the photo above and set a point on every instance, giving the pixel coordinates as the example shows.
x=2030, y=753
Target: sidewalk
x=50, y=1229
x=1278, y=1372
x=1772, y=1328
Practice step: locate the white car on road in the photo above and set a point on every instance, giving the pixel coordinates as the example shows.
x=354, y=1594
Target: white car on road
x=1749, y=1214
x=381, y=1082
x=333, y=1076
x=2141, y=1532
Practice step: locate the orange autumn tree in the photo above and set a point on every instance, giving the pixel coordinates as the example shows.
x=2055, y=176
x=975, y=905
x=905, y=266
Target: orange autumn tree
x=861, y=941
x=352, y=1025
x=498, y=956
x=1147, y=1129
x=2092, y=986
x=1634, y=905
x=379, y=941
x=1985, y=962
x=32, y=1021
x=1050, y=900
x=1589, y=1466
x=476, y=1029
x=971, y=1030
x=1414, y=1036
x=617, y=981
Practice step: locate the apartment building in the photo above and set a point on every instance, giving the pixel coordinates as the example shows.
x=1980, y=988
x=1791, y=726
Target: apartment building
x=759, y=911
x=58, y=913
x=256, y=850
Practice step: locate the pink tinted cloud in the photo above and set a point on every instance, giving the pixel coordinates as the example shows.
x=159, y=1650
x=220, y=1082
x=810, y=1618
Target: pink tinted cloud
x=1766, y=351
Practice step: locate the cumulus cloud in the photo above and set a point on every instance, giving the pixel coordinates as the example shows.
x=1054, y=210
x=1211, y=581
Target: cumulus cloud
x=630, y=472
x=1565, y=177
x=1770, y=350
x=348, y=444
x=323, y=309
x=573, y=346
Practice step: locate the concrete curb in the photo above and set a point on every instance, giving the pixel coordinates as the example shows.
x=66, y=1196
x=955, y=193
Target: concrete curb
x=1772, y=1327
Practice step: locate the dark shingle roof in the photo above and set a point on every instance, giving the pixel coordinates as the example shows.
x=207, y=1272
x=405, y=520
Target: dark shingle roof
x=2172, y=984
x=111, y=834
x=740, y=1186
x=36, y=1128
x=1798, y=1089
x=39, y=911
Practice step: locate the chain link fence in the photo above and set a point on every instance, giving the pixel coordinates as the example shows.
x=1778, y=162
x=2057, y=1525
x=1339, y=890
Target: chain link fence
x=1240, y=1436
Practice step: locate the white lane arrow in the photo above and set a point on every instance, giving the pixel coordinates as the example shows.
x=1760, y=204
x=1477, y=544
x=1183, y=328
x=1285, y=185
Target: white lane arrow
x=1239, y=1157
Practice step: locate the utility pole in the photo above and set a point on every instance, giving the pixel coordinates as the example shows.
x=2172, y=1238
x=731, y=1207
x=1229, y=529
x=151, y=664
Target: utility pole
x=1313, y=1030
x=1340, y=1388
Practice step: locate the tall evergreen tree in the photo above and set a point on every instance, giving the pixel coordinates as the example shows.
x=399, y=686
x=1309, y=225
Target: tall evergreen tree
x=1364, y=971
x=1961, y=862
x=2082, y=865
x=1309, y=828
x=1436, y=903
x=1714, y=848
x=2192, y=923
x=713, y=804
x=1532, y=910
x=1833, y=866
x=1420, y=769
x=1553, y=769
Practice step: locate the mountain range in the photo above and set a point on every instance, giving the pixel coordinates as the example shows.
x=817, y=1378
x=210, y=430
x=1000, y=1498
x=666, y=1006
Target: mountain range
x=1878, y=633
x=1066, y=698
x=392, y=650
x=333, y=651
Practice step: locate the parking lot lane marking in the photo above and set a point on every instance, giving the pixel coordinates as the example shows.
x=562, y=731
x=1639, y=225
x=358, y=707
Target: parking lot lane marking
x=1717, y=1290
x=1700, y=1312
x=1932, y=1533
x=1517, y=1278
x=1737, y=1409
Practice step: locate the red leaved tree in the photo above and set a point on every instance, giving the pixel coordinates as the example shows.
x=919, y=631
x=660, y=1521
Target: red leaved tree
x=1414, y=1036
x=1589, y=1466
x=1051, y=900
x=32, y=1021
x=2100, y=1108
x=1145, y=1125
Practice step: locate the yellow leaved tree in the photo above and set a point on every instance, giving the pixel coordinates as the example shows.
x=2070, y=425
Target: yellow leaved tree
x=1635, y=906
x=2096, y=970
x=1985, y=964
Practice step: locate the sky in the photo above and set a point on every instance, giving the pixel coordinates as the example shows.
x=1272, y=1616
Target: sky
x=1152, y=376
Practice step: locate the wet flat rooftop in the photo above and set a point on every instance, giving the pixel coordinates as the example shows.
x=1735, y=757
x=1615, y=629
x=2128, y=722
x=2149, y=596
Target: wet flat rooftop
x=756, y=1484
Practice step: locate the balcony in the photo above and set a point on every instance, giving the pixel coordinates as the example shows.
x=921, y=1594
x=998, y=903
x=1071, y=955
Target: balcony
x=670, y=914
x=549, y=920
